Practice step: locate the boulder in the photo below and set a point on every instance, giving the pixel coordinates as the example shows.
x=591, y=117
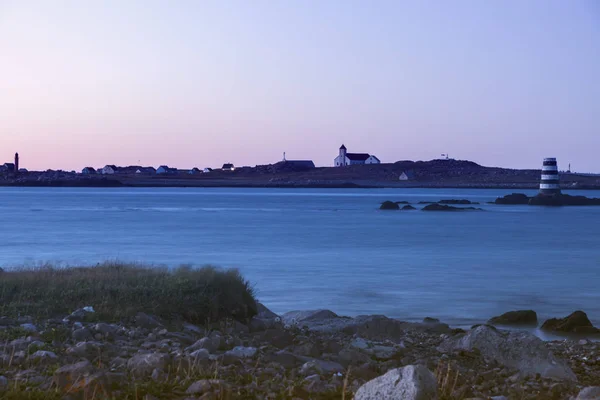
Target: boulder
x=43, y=357
x=67, y=375
x=315, y=366
x=408, y=208
x=389, y=205
x=107, y=330
x=81, y=334
x=589, y=393
x=242, y=352
x=513, y=199
x=295, y=317
x=211, y=344
x=520, y=350
x=144, y=364
x=516, y=318
x=203, y=386
x=444, y=207
x=29, y=327
x=88, y=350
x=577, y=322
x=376, y=327
x=79, y=314
x=144, y=320
x=407, y=383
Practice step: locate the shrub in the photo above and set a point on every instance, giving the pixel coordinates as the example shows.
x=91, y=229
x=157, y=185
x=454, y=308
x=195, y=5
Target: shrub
x=118, y=291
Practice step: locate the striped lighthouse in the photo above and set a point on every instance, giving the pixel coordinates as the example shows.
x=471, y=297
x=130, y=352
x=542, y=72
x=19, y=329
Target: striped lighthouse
x=550, y=182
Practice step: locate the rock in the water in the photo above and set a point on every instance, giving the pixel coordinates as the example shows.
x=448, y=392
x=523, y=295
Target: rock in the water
x=577, y=322
x=513, y=199
x=408, y=208
x=589, y=393
x=444, y=207
x=563, y=200
x=454, y=201
x=294, y=317
x=407, y=383
x=144, y=364
x=389, y=205
x=519, y=350
x=516, y=318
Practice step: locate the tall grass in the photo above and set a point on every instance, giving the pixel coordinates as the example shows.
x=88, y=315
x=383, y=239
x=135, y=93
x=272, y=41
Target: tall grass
x=119, y=291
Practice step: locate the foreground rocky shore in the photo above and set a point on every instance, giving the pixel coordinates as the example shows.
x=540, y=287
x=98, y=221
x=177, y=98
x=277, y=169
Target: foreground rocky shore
x=299, y=355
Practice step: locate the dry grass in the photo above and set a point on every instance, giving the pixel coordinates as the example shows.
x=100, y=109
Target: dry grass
x=118, y=291
x=447, y=378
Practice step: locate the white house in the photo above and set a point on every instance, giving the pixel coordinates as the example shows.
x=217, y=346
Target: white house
x=407, y=176
x=109, y=170
x=207, y=170
x=163, y=169
x=88, y=171
x=345, y=158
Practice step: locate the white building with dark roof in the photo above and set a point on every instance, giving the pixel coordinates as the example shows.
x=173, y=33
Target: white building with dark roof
x=344, y=158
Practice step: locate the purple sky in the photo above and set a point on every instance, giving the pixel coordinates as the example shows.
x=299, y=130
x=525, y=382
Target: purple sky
x=200, y=83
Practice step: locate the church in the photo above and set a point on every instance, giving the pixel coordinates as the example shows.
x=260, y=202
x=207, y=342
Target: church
x=345, y=158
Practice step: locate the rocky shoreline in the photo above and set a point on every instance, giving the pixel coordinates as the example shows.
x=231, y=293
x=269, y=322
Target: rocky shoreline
x=298, y=355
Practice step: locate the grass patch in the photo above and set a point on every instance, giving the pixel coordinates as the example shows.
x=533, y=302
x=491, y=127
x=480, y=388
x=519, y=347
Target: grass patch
x=119, y=291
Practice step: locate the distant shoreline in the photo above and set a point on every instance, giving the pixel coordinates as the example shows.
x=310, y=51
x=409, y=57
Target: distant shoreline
x=111, y=184
x=439, y=174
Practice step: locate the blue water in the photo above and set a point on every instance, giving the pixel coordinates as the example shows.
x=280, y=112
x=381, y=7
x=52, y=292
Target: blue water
x=313, y=248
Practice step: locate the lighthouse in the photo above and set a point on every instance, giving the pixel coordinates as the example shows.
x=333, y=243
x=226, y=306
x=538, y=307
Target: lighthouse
x=549, y=184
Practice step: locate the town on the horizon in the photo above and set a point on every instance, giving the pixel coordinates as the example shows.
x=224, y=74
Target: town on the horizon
x=343, y=159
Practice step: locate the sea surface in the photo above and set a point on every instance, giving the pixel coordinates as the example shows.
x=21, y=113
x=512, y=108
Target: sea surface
x=327, y=248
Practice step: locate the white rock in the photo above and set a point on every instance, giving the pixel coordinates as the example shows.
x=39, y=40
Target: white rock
x=520, y=350
x=201, y=354
x=29, y=327
x=589, y=393
x=145, y=364
x=408, y=383
x=42, y=356
x=242, y=352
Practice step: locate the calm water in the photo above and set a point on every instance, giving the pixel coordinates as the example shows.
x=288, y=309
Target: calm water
x=331, y=249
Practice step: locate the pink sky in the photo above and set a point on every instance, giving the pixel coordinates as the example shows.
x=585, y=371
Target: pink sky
x=204, y=83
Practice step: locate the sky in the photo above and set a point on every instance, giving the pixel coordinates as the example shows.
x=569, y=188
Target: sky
x=200, y=83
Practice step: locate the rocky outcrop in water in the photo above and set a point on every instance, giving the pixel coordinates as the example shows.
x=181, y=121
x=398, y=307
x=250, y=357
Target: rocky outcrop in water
x=516, y=318
x=513, y=199
x=408, y=208
x=389, y=205
x=547, y=200
x=577, y=322
x=454, y=201
x=563, y=200
x=444, y=207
